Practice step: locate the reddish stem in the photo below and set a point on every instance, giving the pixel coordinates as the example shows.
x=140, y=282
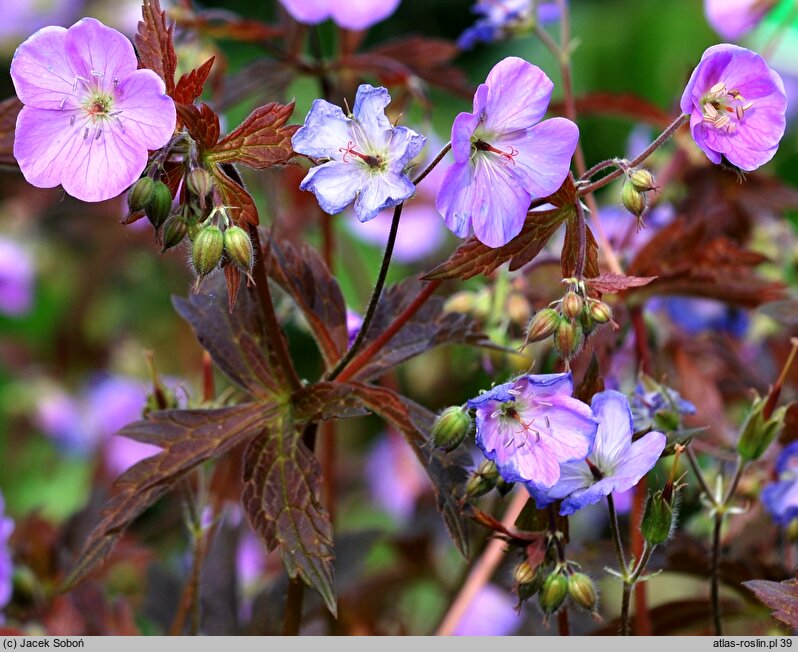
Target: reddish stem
x=363, y=358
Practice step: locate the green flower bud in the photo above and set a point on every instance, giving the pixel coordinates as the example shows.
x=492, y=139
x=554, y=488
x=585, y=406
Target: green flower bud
x=199, y=182
x=160, y=204
x=207, y=250
x=173, y=232
x=482, y=480
x=451, y=428
x=529, y=588
x=582, y=591
x=239, y=247
x=543, y=325
x=642, y=180
x=568, y=339
x=524, y=573
x=600, y=312
x=140, y=194
x=553, y=592
x=633, y=200
x=192, y=230
x=572, y=305
x=758, y=432
x=658, y=519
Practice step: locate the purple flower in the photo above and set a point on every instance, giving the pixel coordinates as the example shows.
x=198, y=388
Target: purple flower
x=780, y=498
x=353, y=323
x=735, y=18
x=491, y=613
x=395, y=476
x=22, y=18
x=531, y=425
x=503, y=158
x=695, y=316
x=366, y=155
x=6, y=563
x=615, y=463
x=736, y=105
x=90, y=116
x=16, y=279
x=500, y=19
x=652, y=400
x=352, y=14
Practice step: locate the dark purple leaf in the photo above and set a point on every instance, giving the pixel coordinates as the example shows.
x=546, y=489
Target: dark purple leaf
x=780, y=597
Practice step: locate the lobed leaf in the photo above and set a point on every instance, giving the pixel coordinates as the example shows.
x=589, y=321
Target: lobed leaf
x=190, y=86
x=188, y=438
x=235, y=195
x=155, y=43
x=611, y=283
x=201, y=122
x=780, y=597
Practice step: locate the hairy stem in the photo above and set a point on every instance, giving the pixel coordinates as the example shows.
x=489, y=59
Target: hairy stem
x=582, y=238
x=616, y=535
x=714, y=566
x=433, y=164
x=375, y=297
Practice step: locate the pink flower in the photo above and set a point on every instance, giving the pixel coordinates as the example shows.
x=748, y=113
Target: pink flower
x=734, y=18
x=90, y=115
x=349, y=14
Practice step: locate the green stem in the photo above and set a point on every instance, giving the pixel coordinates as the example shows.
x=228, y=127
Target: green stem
x=616, y=535
x=699, y=474
x=629, y=584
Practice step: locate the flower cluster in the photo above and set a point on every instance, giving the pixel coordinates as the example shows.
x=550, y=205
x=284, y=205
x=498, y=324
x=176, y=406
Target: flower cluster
x=499, y=19
x=780, y=498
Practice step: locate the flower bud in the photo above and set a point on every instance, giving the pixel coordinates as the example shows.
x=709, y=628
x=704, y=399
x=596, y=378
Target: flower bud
x=642, y=180
x=199, y=182
x=572, y=305
x=758, y=431
x=451, y=428
x=568, y=339
x=582, y=591
x=173, y=232
x=633, y=200
x=600, y=312
x=160, y=204
x=482, y=480
x=239, y=247
x=140, y=194
x=658, y=519
x=524, y=573
x=207, y=250
x=543, y=325
x=553, y=592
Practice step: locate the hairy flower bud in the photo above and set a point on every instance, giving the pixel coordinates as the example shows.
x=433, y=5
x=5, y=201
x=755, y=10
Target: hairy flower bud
x=140, y=194
x=207, y=250
x=451, y=428
x=199, y=182
x=482, y=480
x=572, y=305
x=600, y=312
x=160, y=204
x=758, y=432
x=642, y=180
x=568, y=339
x=239, y=247
x=582, y=591
x=553, y=592
x=524, y=573
x=633, y=200
x=658, y=519
x=543, y=325
x=174, y=231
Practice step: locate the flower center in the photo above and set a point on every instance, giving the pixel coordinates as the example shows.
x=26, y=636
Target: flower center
x=521, y=428
x=508, y=156
x=724, y=109
x=370, y=160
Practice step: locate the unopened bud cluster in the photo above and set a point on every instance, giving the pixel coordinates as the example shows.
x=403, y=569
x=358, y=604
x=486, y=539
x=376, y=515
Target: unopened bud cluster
x=634, y=193
x=569, y=322
x=554, y=586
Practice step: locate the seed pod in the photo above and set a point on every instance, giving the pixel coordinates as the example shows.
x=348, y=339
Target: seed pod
x=173, y=232
x=239, y=247
x=140, y=194
x=582, y=591
x=451, y=428
x=568, y=339
x=160, y=204
x=199, y=182
x=600, y=312
x=207, y=250
x=642, y=180
x=633, y=200
x=572, y=305
x=482, y=480
x=658, y=519
x=553, y=592
x=543, y=325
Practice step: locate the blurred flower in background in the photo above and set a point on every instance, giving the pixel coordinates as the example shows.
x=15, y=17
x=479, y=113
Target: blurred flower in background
x=695, y=316
x=735, y=18
x=6, y=564
x=23, y=17
x=500, y=19
x=16, y=279
x=349, y=14
x=395, y=477
x=490, y=613
x=780, y=498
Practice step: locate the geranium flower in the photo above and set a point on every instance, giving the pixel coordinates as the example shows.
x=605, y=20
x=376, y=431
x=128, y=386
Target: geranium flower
x=780, y=498
x=652, y=400
x=502, y=18
x=351, y=14
x=504, y=157
x=735, y=18
x=615, y=462
x=531, y=425
x=90, y=115
x=736, y=105
x=490, y=613
x=366, y=155
x=6, y=564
